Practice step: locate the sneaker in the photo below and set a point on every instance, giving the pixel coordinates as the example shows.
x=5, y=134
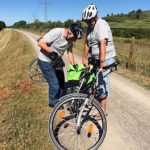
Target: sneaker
x=50, y=105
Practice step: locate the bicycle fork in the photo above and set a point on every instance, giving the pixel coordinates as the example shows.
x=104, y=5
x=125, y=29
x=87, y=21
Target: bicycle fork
x=80, y=114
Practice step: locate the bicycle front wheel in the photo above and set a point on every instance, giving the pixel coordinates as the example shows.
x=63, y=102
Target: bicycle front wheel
x=63, y=124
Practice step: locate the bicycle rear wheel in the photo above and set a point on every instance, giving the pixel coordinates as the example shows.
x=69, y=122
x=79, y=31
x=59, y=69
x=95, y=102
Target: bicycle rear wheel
x=63, y=120
x=34, y=71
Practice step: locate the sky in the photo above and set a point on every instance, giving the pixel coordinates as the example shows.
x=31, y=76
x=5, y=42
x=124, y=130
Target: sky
x=12, y=11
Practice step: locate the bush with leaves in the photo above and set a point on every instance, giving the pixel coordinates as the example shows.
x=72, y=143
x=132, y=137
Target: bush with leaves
x=2, y=25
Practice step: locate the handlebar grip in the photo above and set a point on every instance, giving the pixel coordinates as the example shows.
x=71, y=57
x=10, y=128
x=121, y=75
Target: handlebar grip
x=113, y=65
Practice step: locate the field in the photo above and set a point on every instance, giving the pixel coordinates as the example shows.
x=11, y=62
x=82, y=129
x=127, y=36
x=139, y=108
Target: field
x=130, y=20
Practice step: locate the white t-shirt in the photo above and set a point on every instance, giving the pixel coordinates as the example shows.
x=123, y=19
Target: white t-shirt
x=100, y=31
x=56, y=40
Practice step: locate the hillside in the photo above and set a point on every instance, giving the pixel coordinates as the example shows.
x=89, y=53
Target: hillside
x=134, y=19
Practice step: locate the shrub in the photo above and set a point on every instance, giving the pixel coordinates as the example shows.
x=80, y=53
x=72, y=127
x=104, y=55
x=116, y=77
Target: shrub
x=2, y=25
x=138, y=33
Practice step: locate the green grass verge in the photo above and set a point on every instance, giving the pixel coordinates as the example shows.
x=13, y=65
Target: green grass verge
x=23, y=105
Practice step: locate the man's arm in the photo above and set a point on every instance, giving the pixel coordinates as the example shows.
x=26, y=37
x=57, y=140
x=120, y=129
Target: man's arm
x=102, y=53
x=42, y=43
x=70, y=57
x=86, y=51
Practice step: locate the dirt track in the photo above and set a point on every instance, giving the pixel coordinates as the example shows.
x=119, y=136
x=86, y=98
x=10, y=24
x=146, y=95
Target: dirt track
x=129, y=113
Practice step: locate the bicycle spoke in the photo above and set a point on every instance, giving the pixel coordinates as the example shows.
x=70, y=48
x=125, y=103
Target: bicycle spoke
x=35, y=74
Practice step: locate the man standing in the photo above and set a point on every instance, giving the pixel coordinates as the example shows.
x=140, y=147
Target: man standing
x=99, y=43
x=53, y=45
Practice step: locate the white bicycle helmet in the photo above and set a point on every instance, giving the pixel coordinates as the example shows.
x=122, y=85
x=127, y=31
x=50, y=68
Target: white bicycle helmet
x=89, y=12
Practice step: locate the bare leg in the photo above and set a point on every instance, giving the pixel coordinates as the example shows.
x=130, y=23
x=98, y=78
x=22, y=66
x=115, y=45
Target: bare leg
x=103, y=104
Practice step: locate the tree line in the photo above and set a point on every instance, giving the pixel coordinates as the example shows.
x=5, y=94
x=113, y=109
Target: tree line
x=2, y=25
x=37, y=24
x=134, y=14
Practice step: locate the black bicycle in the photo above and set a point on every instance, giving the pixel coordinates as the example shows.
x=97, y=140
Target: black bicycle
x=34, y=72
x=77, y=120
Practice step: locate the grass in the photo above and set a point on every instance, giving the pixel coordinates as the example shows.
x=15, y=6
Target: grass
x=23, y=105
x=130, y=24
x=137, y=77
x=131, y=21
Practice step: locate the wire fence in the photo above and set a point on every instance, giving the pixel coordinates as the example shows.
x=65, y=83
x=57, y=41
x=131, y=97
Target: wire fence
x=134, y=54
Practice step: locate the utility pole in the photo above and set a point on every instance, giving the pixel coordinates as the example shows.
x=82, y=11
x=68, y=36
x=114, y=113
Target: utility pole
x=45, y=10
x=45, y=3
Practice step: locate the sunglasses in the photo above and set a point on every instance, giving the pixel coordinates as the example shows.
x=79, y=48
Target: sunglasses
x=89, y=21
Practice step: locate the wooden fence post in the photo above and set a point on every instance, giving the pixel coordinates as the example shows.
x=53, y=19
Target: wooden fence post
x=131, y=51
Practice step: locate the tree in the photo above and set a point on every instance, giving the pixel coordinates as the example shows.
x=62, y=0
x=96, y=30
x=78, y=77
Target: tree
x=2, y=25
x=59, y=24
x=68, y=22
x=138, y=13
x=20, y=24
x=132, y=12
x=36, y=24
x=79, y=22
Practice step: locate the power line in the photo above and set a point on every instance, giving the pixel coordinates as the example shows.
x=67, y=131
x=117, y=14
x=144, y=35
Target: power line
x=45, y=3
x=45, y=10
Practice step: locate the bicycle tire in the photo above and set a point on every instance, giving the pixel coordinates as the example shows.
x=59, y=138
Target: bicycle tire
x=60, y=104
x=35, y=74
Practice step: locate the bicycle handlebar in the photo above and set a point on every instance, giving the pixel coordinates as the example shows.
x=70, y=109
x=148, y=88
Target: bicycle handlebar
x=111, y=66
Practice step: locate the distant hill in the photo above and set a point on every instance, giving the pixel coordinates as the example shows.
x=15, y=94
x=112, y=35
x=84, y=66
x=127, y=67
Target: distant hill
x=134, y=19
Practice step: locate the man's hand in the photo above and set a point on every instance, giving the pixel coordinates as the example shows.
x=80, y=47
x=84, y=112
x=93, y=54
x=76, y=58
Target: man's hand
x=43, y=44
x=75, y=66
x=102, y=64
x=84, y=61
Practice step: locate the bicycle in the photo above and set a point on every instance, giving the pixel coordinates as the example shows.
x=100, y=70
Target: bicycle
x=73, y=123
x=34, y=72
